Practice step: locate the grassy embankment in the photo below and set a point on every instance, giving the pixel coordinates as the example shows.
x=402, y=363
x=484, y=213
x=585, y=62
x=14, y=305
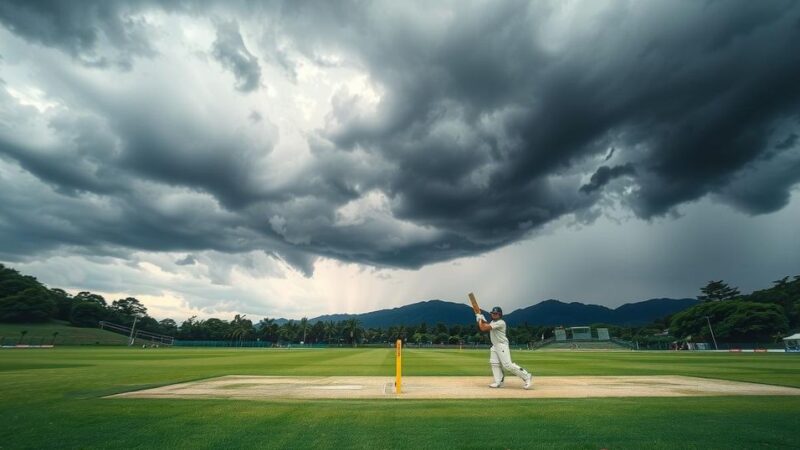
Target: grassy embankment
x=45, y=333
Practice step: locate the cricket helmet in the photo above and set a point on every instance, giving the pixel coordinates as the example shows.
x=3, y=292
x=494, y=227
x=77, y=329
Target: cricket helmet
x=497, y=310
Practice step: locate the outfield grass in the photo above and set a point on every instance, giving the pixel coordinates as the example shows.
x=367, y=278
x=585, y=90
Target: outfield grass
x=53, y=398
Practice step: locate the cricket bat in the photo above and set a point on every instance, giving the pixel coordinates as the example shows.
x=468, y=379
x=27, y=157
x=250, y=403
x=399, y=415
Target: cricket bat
x=474, y=302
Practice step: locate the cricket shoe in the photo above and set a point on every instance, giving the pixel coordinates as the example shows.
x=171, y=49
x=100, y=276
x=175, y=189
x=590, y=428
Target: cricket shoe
x=528, y=382
x=496, y=385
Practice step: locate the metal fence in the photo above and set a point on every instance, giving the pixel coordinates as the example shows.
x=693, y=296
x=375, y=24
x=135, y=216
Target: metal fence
x=153, y=338
x=228, y=343
x=705, y=346
x=269, y=344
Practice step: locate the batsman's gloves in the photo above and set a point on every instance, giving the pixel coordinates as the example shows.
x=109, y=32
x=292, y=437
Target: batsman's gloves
x=479, y=318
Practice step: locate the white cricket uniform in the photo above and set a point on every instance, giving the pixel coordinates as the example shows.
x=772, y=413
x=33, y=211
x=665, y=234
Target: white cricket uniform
x=500, y=353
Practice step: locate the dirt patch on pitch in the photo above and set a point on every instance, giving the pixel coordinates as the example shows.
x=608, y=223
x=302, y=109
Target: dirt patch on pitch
x=270, y=388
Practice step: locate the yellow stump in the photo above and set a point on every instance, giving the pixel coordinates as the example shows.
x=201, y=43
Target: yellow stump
x=398, y=382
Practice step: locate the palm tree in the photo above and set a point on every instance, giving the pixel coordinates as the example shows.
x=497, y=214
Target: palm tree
x=54, y=337
x=304, y=327
x=268, y=329
x=240, y=328
x=317, y=332
x=237, y=334
x=22, y=336
x=330, y=331
x=290, y=330
x=372, y=335
x=402, y=332
x=353, y=326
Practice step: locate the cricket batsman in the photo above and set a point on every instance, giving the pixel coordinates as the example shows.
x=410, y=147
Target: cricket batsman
x=500, y=353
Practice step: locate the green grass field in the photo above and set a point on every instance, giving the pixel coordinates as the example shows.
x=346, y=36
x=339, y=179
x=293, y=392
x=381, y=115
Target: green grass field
x=53, y=398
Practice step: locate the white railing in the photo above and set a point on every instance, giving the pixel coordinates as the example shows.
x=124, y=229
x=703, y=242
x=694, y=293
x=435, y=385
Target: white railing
x=153, y=338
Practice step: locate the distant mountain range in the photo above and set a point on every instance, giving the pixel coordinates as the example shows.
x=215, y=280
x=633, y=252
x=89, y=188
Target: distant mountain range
x=549, y=312
x=554, y=312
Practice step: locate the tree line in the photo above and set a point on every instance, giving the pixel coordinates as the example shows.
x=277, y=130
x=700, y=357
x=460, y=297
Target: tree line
x=23, y=299
x=764, y=316
x=348, y=332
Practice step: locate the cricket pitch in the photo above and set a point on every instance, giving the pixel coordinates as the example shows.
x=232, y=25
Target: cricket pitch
x=364, y=387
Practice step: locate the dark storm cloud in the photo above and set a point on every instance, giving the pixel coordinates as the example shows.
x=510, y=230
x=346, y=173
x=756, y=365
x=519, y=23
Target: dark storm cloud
x=491, y=118
x=80, y=28
x=230, y=51
x=688, y=93
x=605, y=174
x=60, y=168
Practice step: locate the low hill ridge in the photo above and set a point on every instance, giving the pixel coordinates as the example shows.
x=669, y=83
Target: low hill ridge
x=548, y=312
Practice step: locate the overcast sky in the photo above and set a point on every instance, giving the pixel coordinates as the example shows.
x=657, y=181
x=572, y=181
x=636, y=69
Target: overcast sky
x=300, y=158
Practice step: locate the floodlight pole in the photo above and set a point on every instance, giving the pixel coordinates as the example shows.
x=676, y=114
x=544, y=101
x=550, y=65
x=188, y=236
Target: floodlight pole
x=712, y=333
x=135, y=318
